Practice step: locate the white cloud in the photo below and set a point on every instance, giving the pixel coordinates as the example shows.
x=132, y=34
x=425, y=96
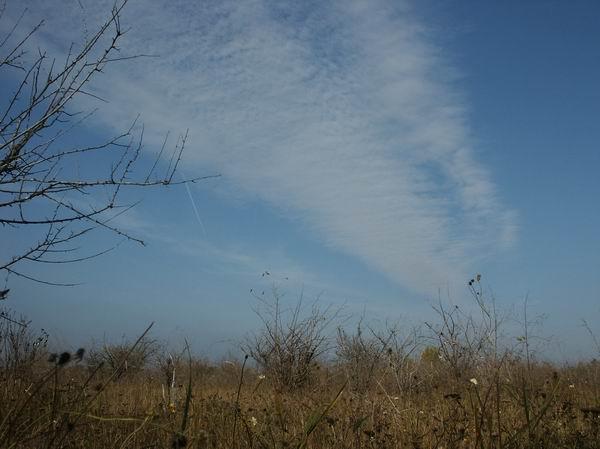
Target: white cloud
x=343, y=115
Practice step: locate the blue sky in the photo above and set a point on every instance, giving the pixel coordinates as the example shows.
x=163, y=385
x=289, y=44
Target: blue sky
x=374, y=153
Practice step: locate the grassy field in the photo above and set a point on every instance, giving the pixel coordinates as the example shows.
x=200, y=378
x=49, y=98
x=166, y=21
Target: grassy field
x=454, y=386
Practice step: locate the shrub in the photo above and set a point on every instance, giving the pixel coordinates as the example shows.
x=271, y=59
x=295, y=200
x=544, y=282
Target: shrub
x=292, y=339
x=359, y=357
x=121, y=360
x=20, y=347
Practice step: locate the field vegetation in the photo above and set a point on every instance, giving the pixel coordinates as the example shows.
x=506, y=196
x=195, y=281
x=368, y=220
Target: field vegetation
x=459, y=383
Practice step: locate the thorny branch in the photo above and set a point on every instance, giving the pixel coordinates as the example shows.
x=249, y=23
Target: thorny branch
x=46, y=186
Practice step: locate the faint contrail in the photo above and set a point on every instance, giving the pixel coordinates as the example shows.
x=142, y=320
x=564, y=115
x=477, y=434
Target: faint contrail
x=189, y=192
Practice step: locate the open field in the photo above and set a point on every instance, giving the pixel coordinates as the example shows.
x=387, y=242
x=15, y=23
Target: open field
x=372, y=390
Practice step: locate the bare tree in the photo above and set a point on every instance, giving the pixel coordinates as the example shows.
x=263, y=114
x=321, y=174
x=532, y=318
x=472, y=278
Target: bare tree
x=55, y=191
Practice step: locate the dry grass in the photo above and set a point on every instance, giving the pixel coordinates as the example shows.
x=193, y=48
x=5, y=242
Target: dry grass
x=447, y=395
x=542, y=407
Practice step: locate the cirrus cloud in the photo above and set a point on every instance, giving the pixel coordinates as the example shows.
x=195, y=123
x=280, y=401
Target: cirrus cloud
x=343, y=116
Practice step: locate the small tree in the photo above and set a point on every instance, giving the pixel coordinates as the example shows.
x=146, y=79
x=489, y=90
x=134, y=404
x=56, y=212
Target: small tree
x=58, y=192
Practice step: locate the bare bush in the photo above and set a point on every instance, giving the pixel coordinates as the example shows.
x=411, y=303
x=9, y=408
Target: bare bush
x=402, y=343
x=291, y=340
x=20, y=347
x=121, y=360
x=360, y=357
x=466, y=339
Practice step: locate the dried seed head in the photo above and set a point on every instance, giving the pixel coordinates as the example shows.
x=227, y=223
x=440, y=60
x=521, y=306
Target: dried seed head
x=79, y=354
x=64, y=358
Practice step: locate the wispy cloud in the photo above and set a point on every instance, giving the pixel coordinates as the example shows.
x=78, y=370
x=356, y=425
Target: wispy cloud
x=260, y=269
x=343, y=115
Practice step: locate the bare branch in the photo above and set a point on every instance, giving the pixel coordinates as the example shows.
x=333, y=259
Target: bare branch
x=43, y=184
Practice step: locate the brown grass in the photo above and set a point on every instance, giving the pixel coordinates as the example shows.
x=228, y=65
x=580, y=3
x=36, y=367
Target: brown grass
x=444, y=395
